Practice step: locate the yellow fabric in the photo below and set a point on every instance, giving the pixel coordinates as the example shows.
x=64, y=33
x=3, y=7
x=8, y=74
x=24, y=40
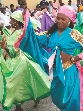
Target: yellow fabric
x=80, y=8
x=77, y=36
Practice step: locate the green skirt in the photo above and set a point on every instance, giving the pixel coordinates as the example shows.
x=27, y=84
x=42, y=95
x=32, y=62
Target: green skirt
x=24, y=80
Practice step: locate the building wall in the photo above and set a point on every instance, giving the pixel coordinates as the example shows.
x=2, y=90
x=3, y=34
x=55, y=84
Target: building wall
x=30, y=3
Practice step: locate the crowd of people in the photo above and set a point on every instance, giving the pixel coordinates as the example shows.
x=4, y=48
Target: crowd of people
x=41, y=54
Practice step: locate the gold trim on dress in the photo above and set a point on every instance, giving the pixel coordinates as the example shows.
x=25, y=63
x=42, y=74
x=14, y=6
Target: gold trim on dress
x=42, y=33
x=67, y=64
x=77, y=36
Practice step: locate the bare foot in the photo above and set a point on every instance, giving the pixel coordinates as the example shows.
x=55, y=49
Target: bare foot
x=36, y=104
x=18, y=108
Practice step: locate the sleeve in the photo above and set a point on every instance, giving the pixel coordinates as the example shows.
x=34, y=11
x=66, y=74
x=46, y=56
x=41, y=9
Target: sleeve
x=10, y=51
x=31, y=44
x=77, y=36
x=42, y=38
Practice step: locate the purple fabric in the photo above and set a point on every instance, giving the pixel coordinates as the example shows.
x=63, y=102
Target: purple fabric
x=46, y=22
x=20, y=9
x=49, y=50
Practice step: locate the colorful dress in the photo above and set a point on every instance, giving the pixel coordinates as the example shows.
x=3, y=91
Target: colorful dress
x=65, y=87
x=79, y=27
x=24, y=78
x=1, y=76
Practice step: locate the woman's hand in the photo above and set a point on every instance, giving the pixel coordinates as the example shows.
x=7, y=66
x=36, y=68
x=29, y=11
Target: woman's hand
x=17, y=50
x=3, y=43
x=76, y=59
x=67, y=57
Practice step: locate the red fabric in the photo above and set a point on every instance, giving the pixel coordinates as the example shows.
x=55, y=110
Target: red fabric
x=26, y=19
x=81, y=85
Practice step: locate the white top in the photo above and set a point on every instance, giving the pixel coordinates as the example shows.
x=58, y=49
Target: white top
x=38, y=17
x=50, y=8
x=8, y=10
x=5, y=19
x=74, y=7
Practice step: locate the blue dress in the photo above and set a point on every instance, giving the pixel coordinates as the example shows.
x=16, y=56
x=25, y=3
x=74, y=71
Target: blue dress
x=65, y=87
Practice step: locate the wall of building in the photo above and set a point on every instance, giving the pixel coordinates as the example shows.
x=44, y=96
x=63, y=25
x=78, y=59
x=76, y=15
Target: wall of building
x=30, y=3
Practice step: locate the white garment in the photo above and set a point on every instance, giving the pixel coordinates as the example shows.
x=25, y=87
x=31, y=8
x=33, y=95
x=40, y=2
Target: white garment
x=50, y=64
x=50, y=8
x=74, y=7
x=5, y=19
x=8, y=10
x=38, y=17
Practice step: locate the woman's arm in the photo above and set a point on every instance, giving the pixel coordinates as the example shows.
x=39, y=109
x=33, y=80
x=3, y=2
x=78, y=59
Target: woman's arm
x=67, y=57
x=43, y=38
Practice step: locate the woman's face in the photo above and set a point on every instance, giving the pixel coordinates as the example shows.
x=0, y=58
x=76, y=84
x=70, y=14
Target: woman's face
x=62, y=21
x=13, y=23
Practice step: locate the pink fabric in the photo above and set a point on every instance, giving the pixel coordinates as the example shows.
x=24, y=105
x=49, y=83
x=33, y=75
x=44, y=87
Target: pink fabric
x=81, y=81
x=68, y=11
x=50, y=64
x=81, y=56
x=26, y=19
x=81, y=85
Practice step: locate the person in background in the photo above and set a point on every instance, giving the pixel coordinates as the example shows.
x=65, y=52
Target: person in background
x=18, y=6
x=69, y=2
x=60, y=1
x=0, y=4
x=72, y=5
x=79, y=26
x=36, y=10
x=4, y=18
x=82, y=2
x=39, y=14
x=44, y=3
x=23, y=5
x=80, y=8
x=55, y=9
x=8, y=10
x=61, y=4
x=38, y=7
x=78, y=3
x=79, y=64
x=50, y=6
x=12, y=8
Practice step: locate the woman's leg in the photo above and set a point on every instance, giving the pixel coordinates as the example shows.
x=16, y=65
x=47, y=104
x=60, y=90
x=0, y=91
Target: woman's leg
x=18, y=108
x=36, y=104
